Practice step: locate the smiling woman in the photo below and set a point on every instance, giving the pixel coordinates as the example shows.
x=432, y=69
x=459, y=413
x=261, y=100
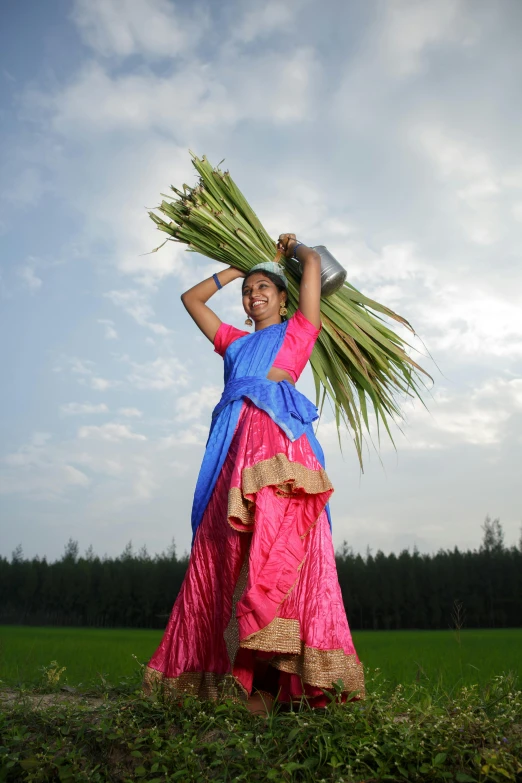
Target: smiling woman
x=260, y=614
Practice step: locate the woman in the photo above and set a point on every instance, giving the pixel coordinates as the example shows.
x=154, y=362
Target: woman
x=260, y=613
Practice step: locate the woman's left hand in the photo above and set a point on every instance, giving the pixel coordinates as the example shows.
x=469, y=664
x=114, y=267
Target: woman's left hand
x=286, y=244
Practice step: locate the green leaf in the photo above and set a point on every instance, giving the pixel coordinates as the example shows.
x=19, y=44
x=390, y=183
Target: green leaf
x=461, y=777
x=439, y=759
x=30, y=763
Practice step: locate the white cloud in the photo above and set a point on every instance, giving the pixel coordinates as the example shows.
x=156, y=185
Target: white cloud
x=189, y=99
x=110, y=331
x=112, y=432
x=196, y=435
x=31, y=470
x=154, y=28
x=192, y=406
x=160, y=374
x=83, y=409
x=81, y=366
x=483, y=417
x=102, y=384
x=29, y=277
x=135, y=303
x=130, y=413
x=262, y=19
x=478, y=190
x=85, y=368
x=475, y=323
x=411, y=29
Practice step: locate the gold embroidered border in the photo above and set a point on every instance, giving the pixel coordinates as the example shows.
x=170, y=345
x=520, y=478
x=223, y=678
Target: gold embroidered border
x=207, y=686
x=290, y=476
x=279, y=636
x=324, y=667
x=240, y=508
x=315, y=667
x=231, y=633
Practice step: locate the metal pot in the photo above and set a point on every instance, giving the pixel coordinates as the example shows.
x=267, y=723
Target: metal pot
x=333, y=274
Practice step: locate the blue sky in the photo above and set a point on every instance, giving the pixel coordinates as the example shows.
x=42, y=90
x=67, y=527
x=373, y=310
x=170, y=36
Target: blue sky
x=389, y=131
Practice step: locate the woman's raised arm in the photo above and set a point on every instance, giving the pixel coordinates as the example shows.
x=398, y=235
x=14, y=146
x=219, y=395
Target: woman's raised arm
x=196, y=297
x=310, y=287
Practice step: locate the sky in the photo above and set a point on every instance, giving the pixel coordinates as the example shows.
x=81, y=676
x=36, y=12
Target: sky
x=388, y=131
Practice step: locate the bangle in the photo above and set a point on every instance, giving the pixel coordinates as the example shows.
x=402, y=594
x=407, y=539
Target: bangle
x=216, y=281
x=294, y=254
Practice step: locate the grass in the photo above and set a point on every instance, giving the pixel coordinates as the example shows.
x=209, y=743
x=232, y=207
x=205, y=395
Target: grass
x=423, y=720
x=436, y=657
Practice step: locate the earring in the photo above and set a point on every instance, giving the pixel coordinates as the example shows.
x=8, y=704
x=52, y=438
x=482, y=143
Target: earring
x=282, y=309
x=249, y=322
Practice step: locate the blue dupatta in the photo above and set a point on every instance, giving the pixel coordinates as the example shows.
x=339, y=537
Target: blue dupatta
x=247, y=363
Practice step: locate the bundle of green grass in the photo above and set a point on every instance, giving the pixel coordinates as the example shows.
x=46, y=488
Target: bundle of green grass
x=357, y=360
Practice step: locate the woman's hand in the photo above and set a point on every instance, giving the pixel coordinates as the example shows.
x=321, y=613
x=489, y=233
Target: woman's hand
x=195, y=300
x=286, y=244
x=310, y=285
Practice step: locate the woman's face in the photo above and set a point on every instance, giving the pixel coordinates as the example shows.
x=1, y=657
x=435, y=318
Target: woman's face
x=261, y=298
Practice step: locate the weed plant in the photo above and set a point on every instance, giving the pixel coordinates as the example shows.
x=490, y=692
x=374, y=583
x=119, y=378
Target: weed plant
x=416, y=732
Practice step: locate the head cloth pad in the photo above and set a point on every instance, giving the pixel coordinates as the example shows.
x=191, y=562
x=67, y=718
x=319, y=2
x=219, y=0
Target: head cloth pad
x=273, y=267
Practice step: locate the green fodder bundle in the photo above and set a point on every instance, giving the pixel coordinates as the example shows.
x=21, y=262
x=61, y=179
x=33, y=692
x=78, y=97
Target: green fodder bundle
x=357, y=359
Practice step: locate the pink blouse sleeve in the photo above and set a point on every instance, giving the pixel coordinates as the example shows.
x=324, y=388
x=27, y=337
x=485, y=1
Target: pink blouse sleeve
x=226, y=335
x=297, y=346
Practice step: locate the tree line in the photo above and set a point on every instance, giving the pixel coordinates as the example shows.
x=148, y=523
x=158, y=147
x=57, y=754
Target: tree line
x=479, y=588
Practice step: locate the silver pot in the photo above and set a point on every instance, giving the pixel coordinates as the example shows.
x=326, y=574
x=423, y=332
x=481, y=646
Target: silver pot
x=333, y=274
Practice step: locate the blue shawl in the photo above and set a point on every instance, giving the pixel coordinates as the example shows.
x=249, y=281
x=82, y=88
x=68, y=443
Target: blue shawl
x=247, y=362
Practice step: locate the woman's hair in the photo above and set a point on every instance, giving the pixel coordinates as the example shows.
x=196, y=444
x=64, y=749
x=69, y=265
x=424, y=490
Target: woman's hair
x=275, y=279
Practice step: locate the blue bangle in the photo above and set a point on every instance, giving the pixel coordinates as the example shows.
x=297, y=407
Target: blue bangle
x=216, y=281
x=294, y=254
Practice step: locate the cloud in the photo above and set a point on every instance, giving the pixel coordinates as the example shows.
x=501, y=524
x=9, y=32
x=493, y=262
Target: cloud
x=196, y=435
x=32, y=281
x=475, y=323
x=110, y=331
x=485, y=417
x=130, y=413
x=472, y=180
x=31, y=470
x=259, y=20
x=102, y=384
x=412, y=29
x=189, y=99
x=153, y=28
x=192, y=406
x=135, y=303
x=82, y=409
x=112, y=432
x=160, y=374
x=85, y=368
x=81, y=366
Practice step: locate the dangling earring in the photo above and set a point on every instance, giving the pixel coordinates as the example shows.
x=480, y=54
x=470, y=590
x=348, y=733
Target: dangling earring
x=249, y=322
x=282, y=309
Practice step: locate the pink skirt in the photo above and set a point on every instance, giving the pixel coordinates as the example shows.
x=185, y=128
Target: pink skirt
x=260, y=605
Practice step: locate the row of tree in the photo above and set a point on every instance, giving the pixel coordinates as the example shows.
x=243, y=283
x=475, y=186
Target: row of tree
x=480, y=588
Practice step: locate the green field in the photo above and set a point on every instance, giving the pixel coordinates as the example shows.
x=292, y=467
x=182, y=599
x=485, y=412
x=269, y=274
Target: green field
x=421, y=720
x=436, y=657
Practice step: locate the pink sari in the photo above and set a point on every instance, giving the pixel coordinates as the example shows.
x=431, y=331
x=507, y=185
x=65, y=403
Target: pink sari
x=261, y=606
